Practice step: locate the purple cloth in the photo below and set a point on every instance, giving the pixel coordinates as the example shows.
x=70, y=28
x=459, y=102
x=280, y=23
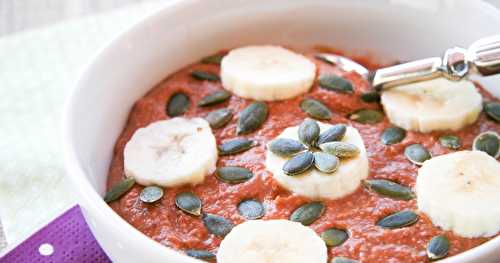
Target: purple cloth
x=66, y=239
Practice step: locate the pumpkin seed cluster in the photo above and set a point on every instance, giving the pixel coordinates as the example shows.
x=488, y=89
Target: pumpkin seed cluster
x=314, y=149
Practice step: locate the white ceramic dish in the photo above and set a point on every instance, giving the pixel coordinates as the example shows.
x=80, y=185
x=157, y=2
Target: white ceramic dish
x=185, y=31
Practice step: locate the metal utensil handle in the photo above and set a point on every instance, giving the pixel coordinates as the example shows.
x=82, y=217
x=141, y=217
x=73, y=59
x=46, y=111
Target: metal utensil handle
x=484, y=55
x=410, y=72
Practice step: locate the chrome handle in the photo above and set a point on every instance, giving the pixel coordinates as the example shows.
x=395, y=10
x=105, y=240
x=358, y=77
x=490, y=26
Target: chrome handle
x=483, y=57
x=410, y=72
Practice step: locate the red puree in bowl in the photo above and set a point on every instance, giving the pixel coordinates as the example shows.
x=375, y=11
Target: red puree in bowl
x=358, y=212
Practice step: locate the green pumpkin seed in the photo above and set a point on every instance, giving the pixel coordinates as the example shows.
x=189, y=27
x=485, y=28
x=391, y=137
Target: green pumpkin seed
x=189, y=203
x=343, y=260
x=325, y=162
x=213, y=59
x=390, y=189
x=308, y=213
x=324, y=59
x=233, y=174
x=367, y=116
x=214, y=98
x=252, y=117
x=334, y=133
x=438, y=247
x=335, y=83
x=488, y=142
x=151, y=194
x=340, y=149
x=370, y=96
x=235, y=146
x=398, y=220
x=392, y=135
x=334, y=237
x=178, y=104
x=286, y=147
x=298, y=164
x=450, y=141
x=315, y=109
x=119, y=189
x=217, y=225
x=219, y=118
x=201, y=254
x=417, y=154
x=203, y=75
x=251, y=209
x=492, y=109
x=308, y=132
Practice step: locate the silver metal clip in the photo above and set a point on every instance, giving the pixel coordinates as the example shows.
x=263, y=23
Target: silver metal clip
x=482, y=57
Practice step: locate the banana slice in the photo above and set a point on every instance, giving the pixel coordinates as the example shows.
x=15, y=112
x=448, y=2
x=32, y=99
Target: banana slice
x=266, y=73
x=171, y=152
x=460, y=191
x=272, y=241
x=315, y=184
x=437, y=104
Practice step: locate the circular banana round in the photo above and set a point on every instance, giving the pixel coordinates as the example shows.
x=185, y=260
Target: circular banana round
x=315, y=184
x=171, y=152
x=272, y=241
x=460, y=192
x=432, y=105
x=266, y=73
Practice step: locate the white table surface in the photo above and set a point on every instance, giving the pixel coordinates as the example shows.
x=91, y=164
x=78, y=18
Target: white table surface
x=18, y=15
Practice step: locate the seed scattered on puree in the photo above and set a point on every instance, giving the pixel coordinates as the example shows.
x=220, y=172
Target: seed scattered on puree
x=199, y=216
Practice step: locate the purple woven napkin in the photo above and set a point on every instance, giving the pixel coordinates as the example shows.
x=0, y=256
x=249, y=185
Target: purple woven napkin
x=66, y=239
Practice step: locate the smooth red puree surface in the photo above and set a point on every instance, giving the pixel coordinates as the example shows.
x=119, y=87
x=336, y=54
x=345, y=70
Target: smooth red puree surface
x=357, y=213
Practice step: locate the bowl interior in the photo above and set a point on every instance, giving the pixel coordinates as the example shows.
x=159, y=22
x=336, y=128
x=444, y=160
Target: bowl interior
x=185, y=31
